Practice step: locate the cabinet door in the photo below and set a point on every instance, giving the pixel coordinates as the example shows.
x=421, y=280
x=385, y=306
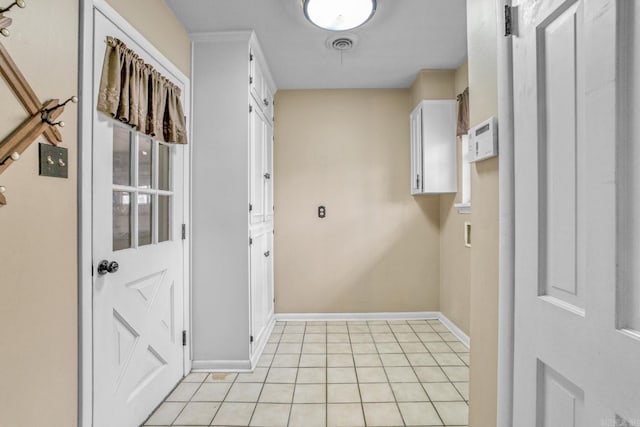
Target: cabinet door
x=257, y=154
x=267, y=102
x=268, y=175
x=439, y=151
x=416, y=151
x=259, y=292
x=270, y=296
x=257, y=81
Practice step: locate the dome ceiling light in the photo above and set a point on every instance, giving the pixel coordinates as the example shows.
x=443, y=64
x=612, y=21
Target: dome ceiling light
x=339, y=15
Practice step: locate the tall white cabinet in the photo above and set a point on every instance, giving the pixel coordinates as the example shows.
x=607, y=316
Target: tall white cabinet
x=232, y=166
x=433, y=147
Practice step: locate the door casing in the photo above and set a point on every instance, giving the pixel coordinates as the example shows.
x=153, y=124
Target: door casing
x=85, y=173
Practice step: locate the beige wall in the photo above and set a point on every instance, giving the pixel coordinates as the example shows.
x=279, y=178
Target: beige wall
x=160, y=27
x=432, y=84
x=378, y=248
x=38, y=260
x=455, y=257
x=482, y=45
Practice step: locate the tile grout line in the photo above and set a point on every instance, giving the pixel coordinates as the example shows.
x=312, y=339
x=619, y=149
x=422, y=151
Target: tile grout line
x=295, y=380
x=416, y=374
x=355, y=370
x=389, y=381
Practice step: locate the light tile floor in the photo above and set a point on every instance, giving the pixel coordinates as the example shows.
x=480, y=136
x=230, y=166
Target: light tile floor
x=335, y=374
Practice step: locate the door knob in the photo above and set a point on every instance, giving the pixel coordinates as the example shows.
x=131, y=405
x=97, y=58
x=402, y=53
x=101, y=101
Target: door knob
x=107, y=267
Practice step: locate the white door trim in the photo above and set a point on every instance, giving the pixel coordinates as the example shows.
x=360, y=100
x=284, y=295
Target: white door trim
x=85, y=171
x=506, y=290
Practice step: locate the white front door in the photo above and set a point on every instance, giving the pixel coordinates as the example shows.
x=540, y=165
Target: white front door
x=577, y=201
x=138, y=304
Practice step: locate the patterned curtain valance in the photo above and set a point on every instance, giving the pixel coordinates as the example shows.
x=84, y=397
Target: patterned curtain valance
x=463, y=113
x=135, y=93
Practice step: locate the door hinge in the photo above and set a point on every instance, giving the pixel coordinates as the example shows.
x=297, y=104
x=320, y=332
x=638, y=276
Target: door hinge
x=250, y=79
x=508, y=20
x=251, y=338
x=184, y=338
x=184, y=231
x=91, y=269
x=250, y=241
x=250, y=108
x=250, y=56
x=250, y=207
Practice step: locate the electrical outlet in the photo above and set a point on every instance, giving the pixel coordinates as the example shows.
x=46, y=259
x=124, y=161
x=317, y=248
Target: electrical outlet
x=467, y=234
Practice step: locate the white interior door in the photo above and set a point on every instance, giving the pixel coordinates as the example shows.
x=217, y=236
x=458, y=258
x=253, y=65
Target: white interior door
x=138, y=306
x=577, y=199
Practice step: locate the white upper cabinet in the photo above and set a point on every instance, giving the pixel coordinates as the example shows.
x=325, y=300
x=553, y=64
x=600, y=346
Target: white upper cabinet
x=433, y=147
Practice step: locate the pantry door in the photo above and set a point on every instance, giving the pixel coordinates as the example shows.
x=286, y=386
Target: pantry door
x=577, y=209
x=138, y=262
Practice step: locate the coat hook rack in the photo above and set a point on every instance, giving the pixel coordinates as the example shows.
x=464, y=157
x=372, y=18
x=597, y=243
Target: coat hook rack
x=5, y=21
x=42, y=117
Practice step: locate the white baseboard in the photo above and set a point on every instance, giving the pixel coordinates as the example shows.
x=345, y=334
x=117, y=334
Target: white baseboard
x=310, y=317
x=236, y=365
x=221, y=365
x=464, y=338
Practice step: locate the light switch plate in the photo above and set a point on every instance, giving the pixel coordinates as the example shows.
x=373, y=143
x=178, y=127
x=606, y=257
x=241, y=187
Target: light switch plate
x=54, y=161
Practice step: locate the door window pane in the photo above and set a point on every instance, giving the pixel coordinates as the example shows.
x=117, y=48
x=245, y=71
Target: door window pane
x=164, y=218
x=145, y=162
x=164, y=167
x=121, y=156
x=145, y=221
x=121, y=220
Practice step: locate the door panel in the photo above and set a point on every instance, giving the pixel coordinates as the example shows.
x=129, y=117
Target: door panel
x=561, y=121
x=259, y=294
x=576, y=142
x=138, y=306
x=257, y=167
x=629, y=169
x=268, y=177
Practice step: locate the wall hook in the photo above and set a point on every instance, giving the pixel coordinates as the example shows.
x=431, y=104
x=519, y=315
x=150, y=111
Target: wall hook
x=5, y=21
x=46, y=113
x=20, y=3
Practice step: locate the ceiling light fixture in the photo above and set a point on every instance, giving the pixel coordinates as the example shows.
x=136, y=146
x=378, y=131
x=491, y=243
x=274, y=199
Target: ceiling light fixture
x=339, y=15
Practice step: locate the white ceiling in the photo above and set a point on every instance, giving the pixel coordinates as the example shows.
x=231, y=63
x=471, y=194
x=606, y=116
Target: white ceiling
x=403, y=37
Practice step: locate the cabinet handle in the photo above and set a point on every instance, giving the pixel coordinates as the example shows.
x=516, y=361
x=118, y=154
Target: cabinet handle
x=267, y=176
x=265, y=102
x=266, y=254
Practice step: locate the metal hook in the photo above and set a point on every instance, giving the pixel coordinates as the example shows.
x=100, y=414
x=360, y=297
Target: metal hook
x=46, y=114
x=20, y=3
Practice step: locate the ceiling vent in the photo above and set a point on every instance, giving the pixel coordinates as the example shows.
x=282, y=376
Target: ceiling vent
x=343, y=42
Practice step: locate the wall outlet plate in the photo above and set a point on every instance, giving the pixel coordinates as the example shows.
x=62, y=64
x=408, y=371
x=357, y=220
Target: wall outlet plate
x=54, y=161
